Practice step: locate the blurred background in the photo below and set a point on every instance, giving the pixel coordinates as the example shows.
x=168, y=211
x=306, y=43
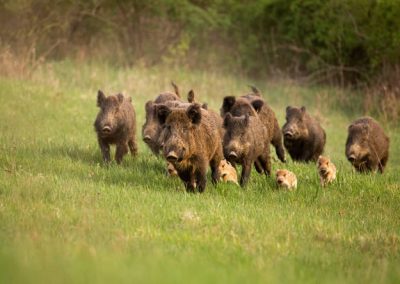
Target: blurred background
x=349, y=44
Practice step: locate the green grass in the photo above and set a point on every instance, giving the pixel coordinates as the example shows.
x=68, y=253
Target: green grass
x=64, y=217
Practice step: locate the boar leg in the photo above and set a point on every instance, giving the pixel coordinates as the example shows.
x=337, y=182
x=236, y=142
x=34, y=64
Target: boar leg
x=246, y=169
x=266, y=163
x=257, y=165
x=278, y=144
x=105, y=150
x=132, y=146
x=201, y=179
x=382, y=164
x=214, y=164
x=122, y=149
x=187, y=177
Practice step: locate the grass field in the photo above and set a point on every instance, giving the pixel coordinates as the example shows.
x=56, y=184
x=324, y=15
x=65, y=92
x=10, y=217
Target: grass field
x=64, y=217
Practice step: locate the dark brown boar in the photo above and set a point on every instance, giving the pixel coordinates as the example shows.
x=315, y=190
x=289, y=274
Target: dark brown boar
x=191, y=142
x=151, y=128
x=367, y=145
x=246, y=142
x=115, y=124
x=253, y=105
x=304, y=137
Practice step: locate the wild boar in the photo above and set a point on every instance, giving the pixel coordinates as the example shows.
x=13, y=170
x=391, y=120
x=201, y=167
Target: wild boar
x=115, y=124
x=246, y=142
x=253, y=105
x=151, y=128
x=367, y=145
x=304, y=137
x=191, y=141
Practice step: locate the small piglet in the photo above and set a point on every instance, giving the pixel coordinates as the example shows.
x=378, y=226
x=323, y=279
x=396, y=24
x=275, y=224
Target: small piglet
x=286, y=179
x=115, y=124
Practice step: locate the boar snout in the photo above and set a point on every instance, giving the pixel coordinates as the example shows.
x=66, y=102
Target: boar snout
x=352, y=158
x=233, y=155
x=147, y=139
x=106, y=130
x=172, y=156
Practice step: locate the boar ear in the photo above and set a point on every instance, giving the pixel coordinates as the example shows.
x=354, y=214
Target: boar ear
x=204, y=106
x=100, y=98
x=162, y=113
x=148, y=106
x=194, y=113
x=190, y=96
x=288, y=108
x=227, y=104
x=303, y=109
x=227, y=119
x=257, y=104
x=176, y=89
x=120, y=98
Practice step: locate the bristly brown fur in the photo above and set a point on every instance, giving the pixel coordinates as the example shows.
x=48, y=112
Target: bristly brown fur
x=304, y=137
x=367, y=145
x=115, y=124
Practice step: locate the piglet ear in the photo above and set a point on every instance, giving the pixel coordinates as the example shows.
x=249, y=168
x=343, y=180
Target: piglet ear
x=303, y=109
x=257, y=104
x=162, y=113
x=227, y=104
x=204, y=106
x=100, y=98
x=194, y=113
x=227, y=119
x=288, y=108
x=120, y=98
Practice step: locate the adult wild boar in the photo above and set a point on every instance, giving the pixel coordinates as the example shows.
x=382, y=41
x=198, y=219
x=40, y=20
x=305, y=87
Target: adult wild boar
x=191, y=142
x=246, y=142
x=151, y=128
x=252, y=104
x=367, y=145
x=304, y=137
x=115, y=124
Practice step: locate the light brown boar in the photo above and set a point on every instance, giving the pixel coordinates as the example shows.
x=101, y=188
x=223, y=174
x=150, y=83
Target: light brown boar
x=367, y=145
x=115, y=124
x=253, y=105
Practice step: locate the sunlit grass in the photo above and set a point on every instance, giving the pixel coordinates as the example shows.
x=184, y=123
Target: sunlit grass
x=64, y=217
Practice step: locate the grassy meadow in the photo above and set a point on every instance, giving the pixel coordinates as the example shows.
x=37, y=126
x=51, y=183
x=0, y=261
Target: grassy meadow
x=64, y=217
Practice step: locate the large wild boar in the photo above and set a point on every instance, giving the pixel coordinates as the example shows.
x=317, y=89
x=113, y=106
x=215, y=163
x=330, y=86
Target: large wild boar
x=304, y=137
x=151, y=128
x=246, y=142
x=191, y=141
x=115, y=124
x=253, y=105
x=367, y=145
